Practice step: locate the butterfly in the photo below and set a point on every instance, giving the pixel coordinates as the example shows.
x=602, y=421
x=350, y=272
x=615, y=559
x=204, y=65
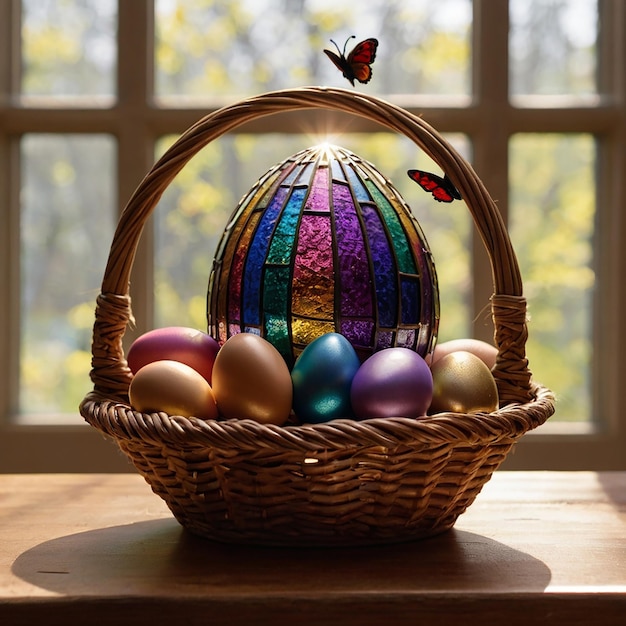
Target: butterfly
x=357, y=65
x=442, y=188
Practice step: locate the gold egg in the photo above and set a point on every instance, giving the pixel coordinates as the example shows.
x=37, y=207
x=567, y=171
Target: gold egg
x=462, y=383
x=174, y=388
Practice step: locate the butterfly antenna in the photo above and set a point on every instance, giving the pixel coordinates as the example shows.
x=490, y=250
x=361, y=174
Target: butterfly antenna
x=336, y=46
x=345, y=45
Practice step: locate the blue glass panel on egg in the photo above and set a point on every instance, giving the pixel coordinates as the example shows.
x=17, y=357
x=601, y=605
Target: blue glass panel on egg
x=337, y=171
x=307, y=171
x=411, y=305
x=360, y=192
x=385, y=271
x=256, y=258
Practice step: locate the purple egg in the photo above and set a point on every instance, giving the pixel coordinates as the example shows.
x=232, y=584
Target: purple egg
x=395, y=382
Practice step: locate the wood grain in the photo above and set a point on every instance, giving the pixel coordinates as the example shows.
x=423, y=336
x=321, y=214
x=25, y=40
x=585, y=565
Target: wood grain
x=535, y=547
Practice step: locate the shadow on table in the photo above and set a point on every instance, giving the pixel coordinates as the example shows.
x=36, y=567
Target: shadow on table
x=159, y=558
x=614, y=486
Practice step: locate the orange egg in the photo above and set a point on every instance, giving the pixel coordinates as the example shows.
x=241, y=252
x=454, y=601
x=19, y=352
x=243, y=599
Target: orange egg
x=174, y=388
x=252, y=380
x=483, y=350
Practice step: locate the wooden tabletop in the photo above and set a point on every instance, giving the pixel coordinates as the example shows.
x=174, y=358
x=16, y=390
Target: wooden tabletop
x=535, y=548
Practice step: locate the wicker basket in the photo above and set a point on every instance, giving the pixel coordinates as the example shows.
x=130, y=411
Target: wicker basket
x=344, y=482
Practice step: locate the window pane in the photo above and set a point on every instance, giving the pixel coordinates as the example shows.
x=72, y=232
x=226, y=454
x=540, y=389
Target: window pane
x=552, y=224
x=210, y=48
x=195, y=208
x=67, y=221
x=69, y=48
x=553, y=47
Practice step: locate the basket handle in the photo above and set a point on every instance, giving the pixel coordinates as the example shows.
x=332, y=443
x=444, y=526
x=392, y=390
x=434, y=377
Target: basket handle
x=110, y=373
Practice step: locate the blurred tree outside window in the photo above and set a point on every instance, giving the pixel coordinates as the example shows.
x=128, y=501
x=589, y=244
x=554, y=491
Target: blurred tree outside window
x=69, y=49
x=67, y=218
x=244, y=47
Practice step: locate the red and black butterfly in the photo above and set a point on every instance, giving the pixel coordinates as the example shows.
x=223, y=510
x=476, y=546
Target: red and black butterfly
x=442, y=188
x=357, y=65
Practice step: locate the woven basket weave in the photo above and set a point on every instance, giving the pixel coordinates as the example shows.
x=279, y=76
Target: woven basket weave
x=343, y=482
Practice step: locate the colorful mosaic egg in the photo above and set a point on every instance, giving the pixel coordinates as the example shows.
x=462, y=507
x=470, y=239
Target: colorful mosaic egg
x=324, y=243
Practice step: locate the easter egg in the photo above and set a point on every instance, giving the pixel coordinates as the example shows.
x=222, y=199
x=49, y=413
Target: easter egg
x=322, y=377
x=324, y=243
x=174, y=388
x=462, y=383
x=395, y=382
x=486, y=352
x=175, y=343
x=251, y=380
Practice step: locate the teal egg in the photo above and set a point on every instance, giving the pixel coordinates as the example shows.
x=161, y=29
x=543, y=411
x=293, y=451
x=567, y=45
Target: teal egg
x=322, y=378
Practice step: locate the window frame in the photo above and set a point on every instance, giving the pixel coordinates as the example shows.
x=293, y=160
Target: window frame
x=137, y=121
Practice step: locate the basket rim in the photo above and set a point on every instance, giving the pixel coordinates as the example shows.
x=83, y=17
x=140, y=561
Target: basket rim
x=119, y=420
x=110, y=373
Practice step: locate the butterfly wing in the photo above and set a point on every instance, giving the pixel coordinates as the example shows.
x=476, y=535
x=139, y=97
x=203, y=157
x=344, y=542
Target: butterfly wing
x=341, y=63
x=442, y=188
x=364, y=52
x=451, y=189
x=361, y=58
x=361, y=72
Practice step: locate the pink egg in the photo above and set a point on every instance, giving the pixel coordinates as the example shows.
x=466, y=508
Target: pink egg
x=175, y=343
x=483, y=350
x=395, y=382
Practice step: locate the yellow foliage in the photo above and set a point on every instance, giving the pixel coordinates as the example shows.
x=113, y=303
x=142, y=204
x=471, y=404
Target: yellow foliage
x=63, y=173
x=77, y=363
x=37, y=46
x=81, y=315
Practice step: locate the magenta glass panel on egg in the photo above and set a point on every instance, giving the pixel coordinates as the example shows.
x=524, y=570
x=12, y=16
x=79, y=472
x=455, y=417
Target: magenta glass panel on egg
x=313, y=283
x=318, y=198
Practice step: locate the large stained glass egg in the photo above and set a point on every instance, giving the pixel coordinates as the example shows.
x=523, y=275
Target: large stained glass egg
x=324, y=243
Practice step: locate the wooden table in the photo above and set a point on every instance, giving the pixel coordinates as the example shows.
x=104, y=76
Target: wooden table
x=535, y=548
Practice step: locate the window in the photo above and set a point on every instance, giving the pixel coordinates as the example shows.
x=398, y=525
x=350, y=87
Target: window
x=531, y=92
